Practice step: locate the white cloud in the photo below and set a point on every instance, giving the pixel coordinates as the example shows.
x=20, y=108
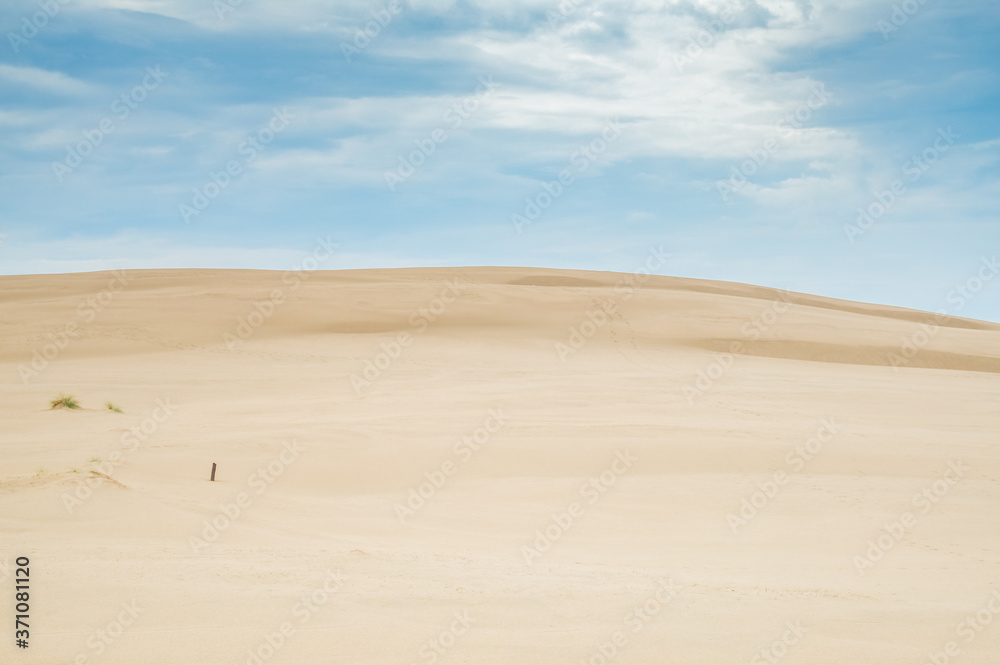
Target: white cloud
x=41, y=79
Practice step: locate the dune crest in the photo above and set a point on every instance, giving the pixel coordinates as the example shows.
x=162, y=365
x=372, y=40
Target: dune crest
x=519, y=463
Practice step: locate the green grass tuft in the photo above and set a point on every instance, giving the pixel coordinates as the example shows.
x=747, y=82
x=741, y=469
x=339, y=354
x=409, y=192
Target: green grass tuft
x=111, y=407
x=64, y=402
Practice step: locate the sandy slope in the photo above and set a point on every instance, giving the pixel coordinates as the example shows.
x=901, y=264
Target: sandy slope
x=681, y=430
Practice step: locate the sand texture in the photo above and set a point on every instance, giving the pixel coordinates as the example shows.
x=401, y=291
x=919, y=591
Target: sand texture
x=492, y=466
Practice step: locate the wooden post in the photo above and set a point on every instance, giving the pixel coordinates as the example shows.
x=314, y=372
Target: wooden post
x=213, y=472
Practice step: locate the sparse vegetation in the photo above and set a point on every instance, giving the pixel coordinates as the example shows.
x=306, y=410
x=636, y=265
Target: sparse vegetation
x=112, y=407
x=95, y=460
x=64, y=402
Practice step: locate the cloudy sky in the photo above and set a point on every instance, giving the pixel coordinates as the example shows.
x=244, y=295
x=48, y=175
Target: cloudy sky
x=842, y=147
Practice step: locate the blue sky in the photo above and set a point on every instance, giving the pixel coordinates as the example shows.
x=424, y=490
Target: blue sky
x=665, y=117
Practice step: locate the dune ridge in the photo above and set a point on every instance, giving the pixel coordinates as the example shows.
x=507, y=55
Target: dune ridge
x=520, y=457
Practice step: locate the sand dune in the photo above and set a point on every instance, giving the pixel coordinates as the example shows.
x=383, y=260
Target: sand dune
x=493, y=465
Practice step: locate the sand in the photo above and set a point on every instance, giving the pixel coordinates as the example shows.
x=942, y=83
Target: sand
x=493, y=465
